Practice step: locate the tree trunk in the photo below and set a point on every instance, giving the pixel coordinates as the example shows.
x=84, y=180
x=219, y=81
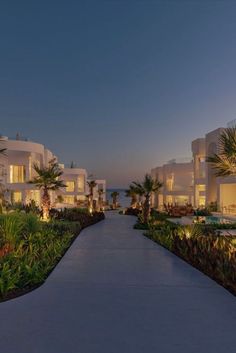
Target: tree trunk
x=100, y=201
x=46, y=204
x=91, y=203
x=114, y=201
x=91, y=199
x=146, y=209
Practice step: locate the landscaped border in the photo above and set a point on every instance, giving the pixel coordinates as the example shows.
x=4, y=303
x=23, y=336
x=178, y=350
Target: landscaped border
x=227, y=286
x=18, y=292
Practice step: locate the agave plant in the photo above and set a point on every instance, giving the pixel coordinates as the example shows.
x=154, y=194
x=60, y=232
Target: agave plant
x=46, y=180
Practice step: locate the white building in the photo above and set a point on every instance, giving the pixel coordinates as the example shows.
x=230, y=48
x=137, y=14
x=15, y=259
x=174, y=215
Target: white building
x=76, y=190
x=177, y=179
x=17, y=169
x=207, y=187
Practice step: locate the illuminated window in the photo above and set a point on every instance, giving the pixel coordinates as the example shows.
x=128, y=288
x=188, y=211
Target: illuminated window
x=202, y=201
x=201, y=187
x=81, y=183
x=69, y=199
x=30, y=167
x=70, y=186
x=169, y=199
x=170, y=182
x=16, y=196
x=33, y=195
x=17, y=174
x=181, y=199
x=81, y=198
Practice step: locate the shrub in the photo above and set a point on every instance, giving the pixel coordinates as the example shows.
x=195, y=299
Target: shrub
x=202, y=212
x=69, y=214
x=30, y=262
x=164, y=236
x=30, y=249
x=80, y=215
x=60, y=227
x=132, y=211
x=31, y=207
x=212, y=254
x=11, y=227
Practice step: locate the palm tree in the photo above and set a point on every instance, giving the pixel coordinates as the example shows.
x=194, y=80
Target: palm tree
x=3, y=201
x=146, y=188
x=91, y=184
x=46, y=180
x=224, y=163
x=2, y=188
x=132, y=192
x=114, y=196
x=100, y=199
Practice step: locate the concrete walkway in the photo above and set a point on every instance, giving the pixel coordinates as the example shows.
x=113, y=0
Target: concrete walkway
x=116, y=291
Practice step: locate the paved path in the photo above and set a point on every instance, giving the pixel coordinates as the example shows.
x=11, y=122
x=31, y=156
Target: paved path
x=116, y=291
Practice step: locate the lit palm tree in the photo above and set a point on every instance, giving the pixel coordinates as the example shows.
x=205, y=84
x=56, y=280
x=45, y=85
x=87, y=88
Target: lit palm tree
x=2, y=188
x=132, y=192
x=224, y=163
x=3, y=201
x=146, y=188
x=46, y=180
x=114, y=196
x=91, y=184
x=100, y=199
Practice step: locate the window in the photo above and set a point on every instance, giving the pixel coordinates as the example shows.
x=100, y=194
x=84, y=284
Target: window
x=169, y=199
x=202, y=201
x=170, y=182
x=201, y=187
x=33, y=195
x=69, y=199
x=70, y=186
x=81, y=183
x=17, y=174
x=16, y=196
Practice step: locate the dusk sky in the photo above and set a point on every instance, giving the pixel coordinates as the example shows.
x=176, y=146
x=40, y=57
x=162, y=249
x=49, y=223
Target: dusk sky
x=117, y=86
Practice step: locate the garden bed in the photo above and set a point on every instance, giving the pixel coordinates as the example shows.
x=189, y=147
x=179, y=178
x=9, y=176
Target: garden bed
x=213, y=255
x=31, y=249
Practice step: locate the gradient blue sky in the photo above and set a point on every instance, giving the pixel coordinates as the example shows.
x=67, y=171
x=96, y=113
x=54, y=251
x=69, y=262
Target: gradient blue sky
x=117, y=86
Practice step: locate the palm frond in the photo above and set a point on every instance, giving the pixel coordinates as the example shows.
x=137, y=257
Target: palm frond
x=3, y=151
x=224, y=162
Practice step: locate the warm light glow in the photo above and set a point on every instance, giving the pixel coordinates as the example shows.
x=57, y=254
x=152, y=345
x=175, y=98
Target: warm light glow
x=81, y=183
x=188, y=235
x=17, y=174
x=170, y=182
x=70, y=199
x=16, y=196
x=70, y=186
x=33, y=195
